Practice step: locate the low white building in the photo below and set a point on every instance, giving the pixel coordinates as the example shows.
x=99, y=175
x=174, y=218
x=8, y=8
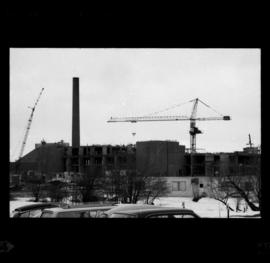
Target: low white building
x=188, y=186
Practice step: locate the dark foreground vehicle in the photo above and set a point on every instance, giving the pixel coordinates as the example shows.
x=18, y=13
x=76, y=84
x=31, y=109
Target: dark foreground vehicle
x=150, y=211
x=32, y=210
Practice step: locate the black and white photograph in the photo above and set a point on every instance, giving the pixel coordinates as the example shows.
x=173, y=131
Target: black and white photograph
x=135, y=133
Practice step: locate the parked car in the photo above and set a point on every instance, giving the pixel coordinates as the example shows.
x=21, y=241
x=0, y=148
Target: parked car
x=76, y=212
x=32, y=210
x=150, y=211
x=125, y=207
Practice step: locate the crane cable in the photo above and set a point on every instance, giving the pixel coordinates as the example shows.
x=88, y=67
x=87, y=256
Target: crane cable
x=178, y=105
x=210, y=108
x=172, y=107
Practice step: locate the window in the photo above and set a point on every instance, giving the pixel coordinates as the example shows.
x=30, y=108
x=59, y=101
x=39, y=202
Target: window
x=188, y=216
x=69, y=214
x=183, y=216
x=87, y=162
x=35, y=213
x=183, y=186
x=178, y=216
x=159, y=216
x=179, y=186
x=93, y=213
x=201, y=185
x=85, y=214
x=120, y=215
x=175, y=186
x=47, y=214
x=98, y=160
x=101, y=214
x=195, y=181
x=25, y=214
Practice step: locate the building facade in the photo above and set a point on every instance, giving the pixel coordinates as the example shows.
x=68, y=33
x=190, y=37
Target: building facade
x=160, y=158
x=46, y=158
x=185, y=173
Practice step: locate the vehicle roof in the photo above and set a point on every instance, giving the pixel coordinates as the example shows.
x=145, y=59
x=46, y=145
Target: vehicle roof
x=161, y=209
x=91, y=204
x=60, y=209
x=28, y=207
x=139, y=208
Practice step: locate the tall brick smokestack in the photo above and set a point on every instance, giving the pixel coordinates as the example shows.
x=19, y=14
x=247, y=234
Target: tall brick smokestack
x=75, y=114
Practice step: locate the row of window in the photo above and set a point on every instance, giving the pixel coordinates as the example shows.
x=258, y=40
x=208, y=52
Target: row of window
x=108, y=150
x=181, y=186
x=108, y=160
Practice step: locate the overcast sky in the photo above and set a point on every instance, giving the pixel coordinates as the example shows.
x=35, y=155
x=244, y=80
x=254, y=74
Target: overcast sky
x=135, y=82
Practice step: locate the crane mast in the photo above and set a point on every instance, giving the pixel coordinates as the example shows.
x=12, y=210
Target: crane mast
x=29, y=124
x=193, y=129
x=249, y=141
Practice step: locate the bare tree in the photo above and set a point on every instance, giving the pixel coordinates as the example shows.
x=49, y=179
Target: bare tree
x=74, y=192
x=242, y=184
x=221, y=191
x=87, y=183
x=112, y=184
x=134, y=185
x=127, y=185
x=130, y=186
x=246, y=181
x=57, y=190
x=35, y=182
x=249, y=188
x=155, y=187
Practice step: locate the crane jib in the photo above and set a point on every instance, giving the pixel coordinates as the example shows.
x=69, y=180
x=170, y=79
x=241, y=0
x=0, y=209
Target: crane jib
x=166, y=118
x=192, y=118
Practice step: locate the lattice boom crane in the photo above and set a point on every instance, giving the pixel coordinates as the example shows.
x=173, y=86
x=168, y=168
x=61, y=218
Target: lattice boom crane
x=29, y=125
x=193, y=118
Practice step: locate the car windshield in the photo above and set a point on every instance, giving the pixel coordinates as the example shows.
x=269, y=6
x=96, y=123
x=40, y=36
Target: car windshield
x=72, y=214
x=121, y=215
x=24, y=214
x=35, y=213
x=169, y=215
x=46, y=214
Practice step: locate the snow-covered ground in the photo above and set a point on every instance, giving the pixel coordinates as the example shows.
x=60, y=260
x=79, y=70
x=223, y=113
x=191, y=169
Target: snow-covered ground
x=205, y=207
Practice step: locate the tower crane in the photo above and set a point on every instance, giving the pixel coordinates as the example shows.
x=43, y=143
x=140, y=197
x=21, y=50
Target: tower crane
x=29, y=124
x=192, y=118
